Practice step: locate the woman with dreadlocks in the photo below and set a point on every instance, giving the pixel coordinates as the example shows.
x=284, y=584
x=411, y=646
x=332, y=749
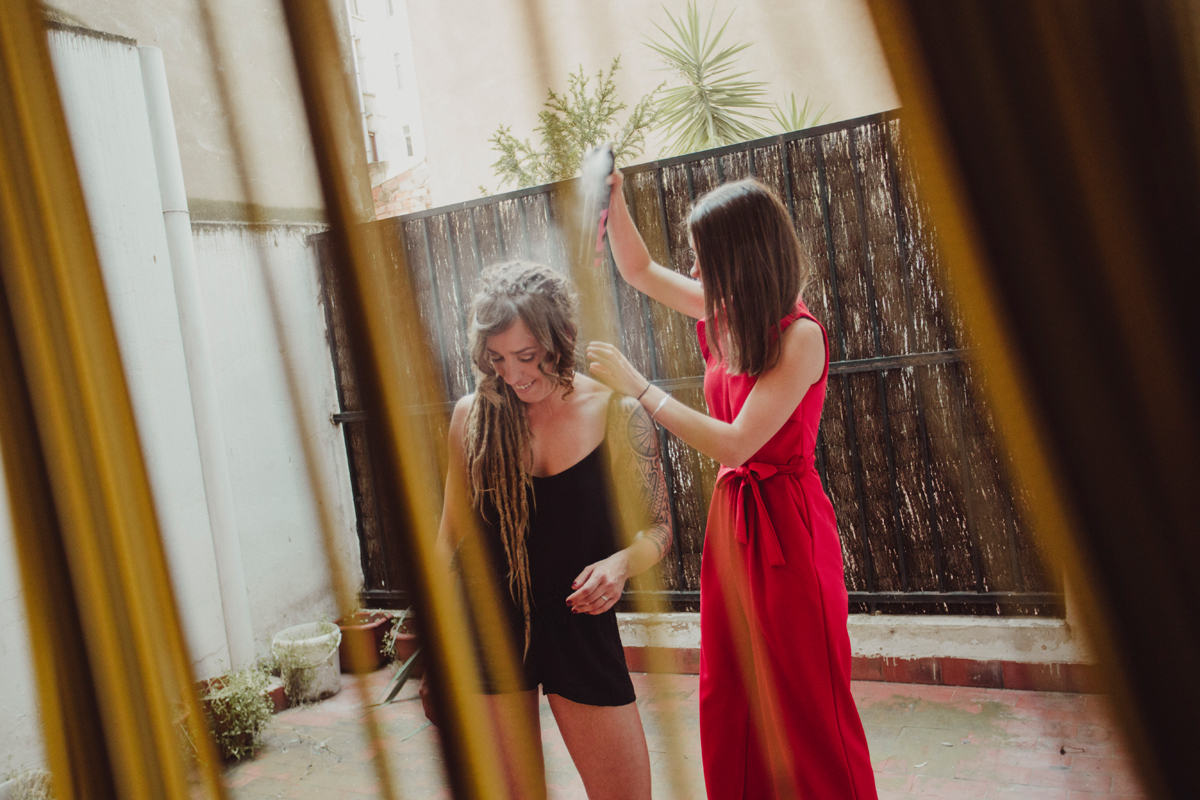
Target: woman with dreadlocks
x=537, y=443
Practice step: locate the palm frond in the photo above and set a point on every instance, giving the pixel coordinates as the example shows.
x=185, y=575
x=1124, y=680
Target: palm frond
x=714, y=106
x=789, y=117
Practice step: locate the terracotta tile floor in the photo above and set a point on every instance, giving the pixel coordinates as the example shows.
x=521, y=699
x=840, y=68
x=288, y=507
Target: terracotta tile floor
x=926, y=742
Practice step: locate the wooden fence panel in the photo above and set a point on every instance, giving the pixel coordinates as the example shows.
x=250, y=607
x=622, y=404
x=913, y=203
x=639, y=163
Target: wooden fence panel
x=447, y=290
x=907, y=454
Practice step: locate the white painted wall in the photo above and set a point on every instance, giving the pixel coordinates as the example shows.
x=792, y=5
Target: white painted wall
x=266, y=89
x=267, y=103
x=287, y=574
x=284, y=559
x=100, y=82
x=20, y=735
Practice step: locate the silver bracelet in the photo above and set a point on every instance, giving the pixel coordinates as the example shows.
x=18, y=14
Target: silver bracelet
x=661, y=403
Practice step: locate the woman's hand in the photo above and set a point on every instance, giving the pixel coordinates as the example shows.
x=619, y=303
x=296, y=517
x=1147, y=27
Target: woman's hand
x=609, y=366
x=599, y=586
x=616, y=180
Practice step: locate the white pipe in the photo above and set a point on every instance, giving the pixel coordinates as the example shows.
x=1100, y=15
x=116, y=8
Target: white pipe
x=358, y=78
x=218, y=488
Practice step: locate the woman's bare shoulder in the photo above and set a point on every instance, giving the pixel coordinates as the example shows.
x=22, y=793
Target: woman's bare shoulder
x=801, y=334
x=589, y=390
x=458, y=417
x=802, y=355
x=463, y=405
x=594, y=401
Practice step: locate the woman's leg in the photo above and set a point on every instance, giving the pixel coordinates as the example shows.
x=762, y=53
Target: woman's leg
x=608, y=746
x=518, y=733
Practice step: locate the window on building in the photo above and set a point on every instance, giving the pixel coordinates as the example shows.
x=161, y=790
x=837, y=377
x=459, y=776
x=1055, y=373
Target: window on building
x=374, y=154
x=399, y=73
x=408, y=139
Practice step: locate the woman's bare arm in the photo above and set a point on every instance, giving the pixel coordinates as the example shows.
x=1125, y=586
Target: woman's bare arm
x=774, y=397
x=635, y=265
x=456, y=498
x=636, y=455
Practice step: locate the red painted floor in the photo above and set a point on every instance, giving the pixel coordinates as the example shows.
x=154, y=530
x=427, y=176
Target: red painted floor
x=926, y=742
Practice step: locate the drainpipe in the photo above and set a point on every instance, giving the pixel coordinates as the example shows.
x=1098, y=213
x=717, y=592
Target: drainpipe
x=358, y=78
x=214, y=465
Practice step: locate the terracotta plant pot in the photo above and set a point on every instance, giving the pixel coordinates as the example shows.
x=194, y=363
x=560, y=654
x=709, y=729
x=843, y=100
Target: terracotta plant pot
x=407, y=644
x=364, y=628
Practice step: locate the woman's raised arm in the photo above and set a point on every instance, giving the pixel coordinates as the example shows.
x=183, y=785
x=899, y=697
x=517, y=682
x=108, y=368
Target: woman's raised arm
x=775, y=395
x=635, y=265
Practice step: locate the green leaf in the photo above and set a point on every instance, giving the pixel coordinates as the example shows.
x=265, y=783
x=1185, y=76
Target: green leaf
x=715, y=105
x=789, y=117
x=569, y=125
x=400, y=678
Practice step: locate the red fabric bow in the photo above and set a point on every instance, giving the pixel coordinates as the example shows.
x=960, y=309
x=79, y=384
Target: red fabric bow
x=750, y=475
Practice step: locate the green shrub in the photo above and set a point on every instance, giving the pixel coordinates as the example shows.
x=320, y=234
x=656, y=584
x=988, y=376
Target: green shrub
x=571, y=124
x=238, y=709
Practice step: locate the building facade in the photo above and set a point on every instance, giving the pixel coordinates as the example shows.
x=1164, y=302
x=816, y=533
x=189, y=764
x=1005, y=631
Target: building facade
x=386, y=80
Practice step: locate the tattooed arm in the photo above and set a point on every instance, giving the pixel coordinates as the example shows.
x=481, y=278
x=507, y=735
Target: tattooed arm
x=637, y=461
x=641, y=490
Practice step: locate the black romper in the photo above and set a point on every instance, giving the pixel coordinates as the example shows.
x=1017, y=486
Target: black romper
x=576, y=656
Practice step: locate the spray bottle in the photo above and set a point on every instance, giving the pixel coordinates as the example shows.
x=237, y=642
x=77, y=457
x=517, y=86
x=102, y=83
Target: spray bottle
x=597, y=165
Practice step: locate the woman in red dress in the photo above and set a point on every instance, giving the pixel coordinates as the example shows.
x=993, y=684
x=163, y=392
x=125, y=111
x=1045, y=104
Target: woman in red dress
x=777, y=719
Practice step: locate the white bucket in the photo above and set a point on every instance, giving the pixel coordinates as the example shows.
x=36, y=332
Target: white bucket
x=313, y=648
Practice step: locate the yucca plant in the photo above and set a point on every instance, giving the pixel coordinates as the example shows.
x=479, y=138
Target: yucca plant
x=790, y=117
x=715, y=106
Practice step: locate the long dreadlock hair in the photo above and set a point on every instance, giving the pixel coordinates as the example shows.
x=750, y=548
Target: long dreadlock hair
x=498, y=436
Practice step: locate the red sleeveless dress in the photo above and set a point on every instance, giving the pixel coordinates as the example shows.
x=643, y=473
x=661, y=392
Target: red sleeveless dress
x=777, y=719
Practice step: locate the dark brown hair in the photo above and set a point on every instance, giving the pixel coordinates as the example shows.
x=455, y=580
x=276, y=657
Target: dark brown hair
x=498, y=437
x=753, y=272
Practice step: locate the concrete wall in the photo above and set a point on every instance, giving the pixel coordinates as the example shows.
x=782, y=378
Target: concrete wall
x=20, y=735
x=477, y=69
x=267, y=100
x=286, y=573
x=100, y=82
x=284, y=559
x=285, y=563
x=1026, y=640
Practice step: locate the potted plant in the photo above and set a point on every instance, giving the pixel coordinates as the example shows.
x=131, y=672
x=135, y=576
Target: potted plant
x=308, y=662
x=400, y=641
x=237, y=708
x=402, y=648
x=367, y=631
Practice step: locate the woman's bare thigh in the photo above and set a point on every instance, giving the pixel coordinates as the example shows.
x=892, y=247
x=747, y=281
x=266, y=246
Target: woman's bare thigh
x=608, y=746
x=518, y=734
